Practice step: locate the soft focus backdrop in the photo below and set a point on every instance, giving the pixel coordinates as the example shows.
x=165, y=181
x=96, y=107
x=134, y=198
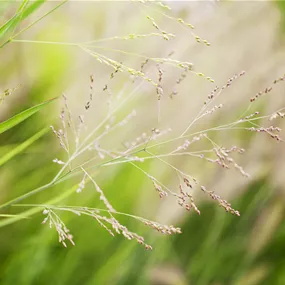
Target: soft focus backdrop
x=215, y=248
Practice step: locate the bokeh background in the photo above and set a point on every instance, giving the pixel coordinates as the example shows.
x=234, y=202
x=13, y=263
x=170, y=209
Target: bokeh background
x=215, y=247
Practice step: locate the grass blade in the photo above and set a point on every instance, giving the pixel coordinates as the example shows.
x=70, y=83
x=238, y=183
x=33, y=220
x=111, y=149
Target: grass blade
x=36, y=210
x=13, y=216
x=15, y=20
x=30, y=10
x=17, y=119
x=22, y=146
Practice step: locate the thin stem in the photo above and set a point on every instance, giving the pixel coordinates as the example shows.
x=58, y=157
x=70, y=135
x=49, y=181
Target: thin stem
x=194, y=154
x=33, y=23
x=44, y=42
x=19, y=199
x=153, y=178
x=78, y=208
x=57, y=179
x=170, y=165
x=105, y=120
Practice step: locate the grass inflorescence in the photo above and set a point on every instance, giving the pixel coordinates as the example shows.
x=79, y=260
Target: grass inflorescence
x=84, y=146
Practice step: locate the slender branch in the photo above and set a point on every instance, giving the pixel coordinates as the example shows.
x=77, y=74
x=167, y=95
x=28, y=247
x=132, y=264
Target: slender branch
x=19, y=199
x=33, y=23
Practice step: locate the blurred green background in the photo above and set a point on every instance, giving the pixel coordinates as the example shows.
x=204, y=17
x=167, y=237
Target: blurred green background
x=215, y=247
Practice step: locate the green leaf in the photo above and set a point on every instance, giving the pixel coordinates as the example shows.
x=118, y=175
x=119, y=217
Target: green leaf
x=22, y=13
x=22, y=146
x=36, y=210
x=14, y=21
x=17, y=119
x=32, y=7
x=13, y=216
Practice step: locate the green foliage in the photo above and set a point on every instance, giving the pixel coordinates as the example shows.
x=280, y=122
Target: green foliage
x=214, y=248
x=25, y=9
x=18, y=149
x=18, y=118
x=281, y=6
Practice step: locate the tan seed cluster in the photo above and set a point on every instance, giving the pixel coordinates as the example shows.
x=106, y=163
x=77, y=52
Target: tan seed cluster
x=223, y=203
x=6, y=93
x=224, y=160
x=214, y=109
x=187, y=143
x=61, y=137
x=217, y=90
x=233, y=149
x=249, y=116
x=58, y=161
x=159, y=189
x=164, y=229
x=277, y=115
x=184, y=196
x=166, y=36
x=268, y=130
x=178, y=81
x=267, y=89
x=120, y=229
x=58, y=224
x=159, y=90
